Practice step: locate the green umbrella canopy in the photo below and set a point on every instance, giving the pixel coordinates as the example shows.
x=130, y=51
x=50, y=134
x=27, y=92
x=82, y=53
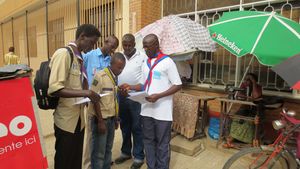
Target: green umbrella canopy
x=271, y=37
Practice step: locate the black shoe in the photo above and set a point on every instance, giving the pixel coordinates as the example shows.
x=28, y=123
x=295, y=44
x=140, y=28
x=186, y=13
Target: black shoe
x=136, y=165
x=122, y=159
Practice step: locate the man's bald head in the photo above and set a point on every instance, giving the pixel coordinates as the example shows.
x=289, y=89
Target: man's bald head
x=151, y=38
x=151, y=45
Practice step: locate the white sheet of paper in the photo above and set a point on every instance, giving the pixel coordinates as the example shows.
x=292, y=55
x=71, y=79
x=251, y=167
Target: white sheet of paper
x=138, y=97
x=85, y=100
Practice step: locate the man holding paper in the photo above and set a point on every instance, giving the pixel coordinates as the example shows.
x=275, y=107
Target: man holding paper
x=129, y=109
x=160, y=80
x=102, y=120
x=68, y=81
x=95, y=61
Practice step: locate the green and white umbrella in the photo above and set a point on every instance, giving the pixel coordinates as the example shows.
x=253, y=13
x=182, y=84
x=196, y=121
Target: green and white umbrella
x=271, y=37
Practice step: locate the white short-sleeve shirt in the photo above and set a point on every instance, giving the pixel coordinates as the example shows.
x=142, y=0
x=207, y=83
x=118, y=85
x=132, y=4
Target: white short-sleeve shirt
x=164, y=76
x=132, y=71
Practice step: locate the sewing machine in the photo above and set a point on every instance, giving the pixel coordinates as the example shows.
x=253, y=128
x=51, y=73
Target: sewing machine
x=231, y=90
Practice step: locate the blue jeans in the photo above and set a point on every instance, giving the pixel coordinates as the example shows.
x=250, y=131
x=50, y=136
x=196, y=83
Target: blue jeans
x=130, y=123
x=102, y=143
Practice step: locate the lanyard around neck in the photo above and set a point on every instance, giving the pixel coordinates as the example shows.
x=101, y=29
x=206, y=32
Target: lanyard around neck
x=111, y=76
x=79, y=57
x=160, y=57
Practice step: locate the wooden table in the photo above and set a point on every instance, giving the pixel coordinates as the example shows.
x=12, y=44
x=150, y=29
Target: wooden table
x=202, y=116
x=225, y=114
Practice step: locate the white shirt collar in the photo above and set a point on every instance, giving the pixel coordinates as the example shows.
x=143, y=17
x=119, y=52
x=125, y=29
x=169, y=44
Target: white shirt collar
x=137, y=52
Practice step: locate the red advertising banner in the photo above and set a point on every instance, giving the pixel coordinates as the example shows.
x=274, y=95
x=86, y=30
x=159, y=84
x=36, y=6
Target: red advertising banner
x=20, y=144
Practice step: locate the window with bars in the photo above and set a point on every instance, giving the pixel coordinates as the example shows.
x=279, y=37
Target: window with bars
x=103, y=16
x=56, y=34
x=219, y=68
x=32, y=44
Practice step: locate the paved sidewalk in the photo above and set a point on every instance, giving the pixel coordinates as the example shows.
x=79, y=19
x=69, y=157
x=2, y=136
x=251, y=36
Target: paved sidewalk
x=210, y=158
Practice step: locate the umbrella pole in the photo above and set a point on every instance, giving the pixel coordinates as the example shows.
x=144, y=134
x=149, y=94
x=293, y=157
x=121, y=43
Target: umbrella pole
x=241, y=5
x=237, y=69
x=162, y=9
x=238, y=61
x=247, y=69
x=244, y=75
x=196, y=9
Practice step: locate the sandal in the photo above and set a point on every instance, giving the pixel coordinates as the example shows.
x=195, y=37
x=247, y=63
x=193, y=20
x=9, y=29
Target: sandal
x=228, y=145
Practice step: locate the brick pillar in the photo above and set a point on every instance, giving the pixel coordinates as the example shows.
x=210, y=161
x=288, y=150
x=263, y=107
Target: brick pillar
x=142, y=13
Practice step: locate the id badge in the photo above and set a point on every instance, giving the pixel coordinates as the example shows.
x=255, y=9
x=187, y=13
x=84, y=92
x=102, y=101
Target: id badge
x=156, y=75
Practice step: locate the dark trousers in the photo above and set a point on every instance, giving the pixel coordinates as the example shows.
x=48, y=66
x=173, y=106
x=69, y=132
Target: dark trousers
x=131, y=126
x=68, y=147
x=157, y=136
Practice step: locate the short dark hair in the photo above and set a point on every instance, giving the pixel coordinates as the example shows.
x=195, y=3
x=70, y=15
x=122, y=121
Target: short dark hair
x=89, y=30
x=117, y=56
x=128, y=37
x=112, y=38
x=11, y=49
x=253, y=75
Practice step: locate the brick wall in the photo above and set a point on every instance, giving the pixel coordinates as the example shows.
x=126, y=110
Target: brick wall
x=142, y=13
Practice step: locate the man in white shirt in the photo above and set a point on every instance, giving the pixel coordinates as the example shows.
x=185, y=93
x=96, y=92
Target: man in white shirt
x=129, y=110
x=160, y=81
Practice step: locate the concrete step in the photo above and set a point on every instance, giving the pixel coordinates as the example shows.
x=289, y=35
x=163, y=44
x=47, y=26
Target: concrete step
x=182, y=145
